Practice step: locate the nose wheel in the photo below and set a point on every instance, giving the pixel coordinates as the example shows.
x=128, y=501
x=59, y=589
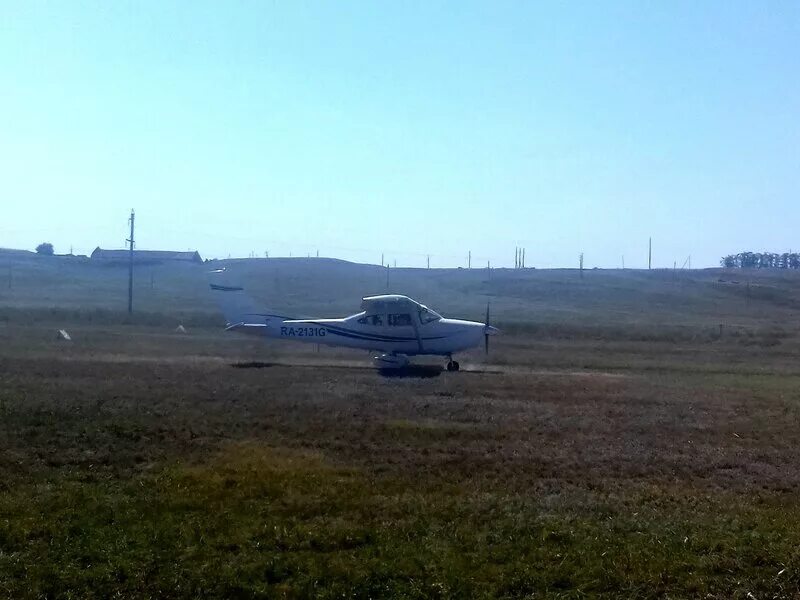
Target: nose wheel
x=453, y=365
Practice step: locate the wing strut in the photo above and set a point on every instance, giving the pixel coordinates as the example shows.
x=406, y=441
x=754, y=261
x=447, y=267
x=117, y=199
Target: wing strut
x=416, y=332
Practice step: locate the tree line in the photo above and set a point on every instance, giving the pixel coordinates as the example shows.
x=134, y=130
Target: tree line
x=761, y=260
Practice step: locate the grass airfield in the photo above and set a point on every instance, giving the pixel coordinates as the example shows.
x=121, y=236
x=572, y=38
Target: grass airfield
x=615, y=443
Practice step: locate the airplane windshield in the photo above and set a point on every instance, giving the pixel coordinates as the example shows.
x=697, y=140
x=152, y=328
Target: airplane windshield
x=426, y=315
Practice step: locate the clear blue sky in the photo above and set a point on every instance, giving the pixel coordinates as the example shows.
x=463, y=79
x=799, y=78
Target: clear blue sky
x=412, y=128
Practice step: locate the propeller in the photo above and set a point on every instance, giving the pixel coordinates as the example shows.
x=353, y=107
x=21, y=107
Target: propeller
x=486, y=330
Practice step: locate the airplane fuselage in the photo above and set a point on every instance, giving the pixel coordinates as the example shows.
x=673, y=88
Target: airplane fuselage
x=441, y=337
x=394, y=325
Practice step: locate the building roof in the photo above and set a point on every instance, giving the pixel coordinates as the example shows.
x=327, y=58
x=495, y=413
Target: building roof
x=146, y=255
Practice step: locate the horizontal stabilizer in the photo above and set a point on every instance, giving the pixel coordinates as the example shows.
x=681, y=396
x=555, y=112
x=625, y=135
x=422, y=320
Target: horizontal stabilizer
x=226, y=288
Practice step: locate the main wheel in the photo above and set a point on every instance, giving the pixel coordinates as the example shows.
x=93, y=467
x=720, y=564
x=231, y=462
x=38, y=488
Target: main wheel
x=456, y=366
x=451, y=366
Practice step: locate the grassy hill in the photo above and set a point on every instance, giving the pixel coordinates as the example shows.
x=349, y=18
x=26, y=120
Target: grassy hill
x=554, y=301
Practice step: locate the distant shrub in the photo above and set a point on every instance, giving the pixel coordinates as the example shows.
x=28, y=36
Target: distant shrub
x=761, y=260
x=45, y=248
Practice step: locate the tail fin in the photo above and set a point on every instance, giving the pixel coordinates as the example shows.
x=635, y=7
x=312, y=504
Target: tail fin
x=236, y=305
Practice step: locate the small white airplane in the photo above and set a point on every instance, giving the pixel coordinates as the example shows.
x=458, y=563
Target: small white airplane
x=392, y=324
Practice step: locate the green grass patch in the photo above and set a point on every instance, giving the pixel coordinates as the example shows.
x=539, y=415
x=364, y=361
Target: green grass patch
x=262, y=522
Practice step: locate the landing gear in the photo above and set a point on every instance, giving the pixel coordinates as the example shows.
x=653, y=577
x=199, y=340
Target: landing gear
x=453, y=365
x=390, y=361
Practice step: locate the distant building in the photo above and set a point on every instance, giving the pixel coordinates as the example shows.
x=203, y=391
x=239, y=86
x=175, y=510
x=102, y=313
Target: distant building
x=145, y=256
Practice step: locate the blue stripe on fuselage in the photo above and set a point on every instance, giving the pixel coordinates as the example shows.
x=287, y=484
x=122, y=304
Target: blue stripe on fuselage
x=372, y=337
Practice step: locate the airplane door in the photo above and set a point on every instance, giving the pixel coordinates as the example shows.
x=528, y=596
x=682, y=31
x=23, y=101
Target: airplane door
x=401, y=326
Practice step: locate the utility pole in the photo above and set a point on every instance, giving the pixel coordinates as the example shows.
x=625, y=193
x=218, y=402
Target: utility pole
x=130, y=265
x=581, y=264
x=469, y=260
x=649, y=253
x=523, y=258
x=381, y=258
x=516, y=257
x=317, y=253
x=623, y=262
x=429, y=261
x=387, y=277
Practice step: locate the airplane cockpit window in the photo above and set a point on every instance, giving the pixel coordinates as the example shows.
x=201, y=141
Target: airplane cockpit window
x=399, y=320
x=374, y=320
x=426, y=315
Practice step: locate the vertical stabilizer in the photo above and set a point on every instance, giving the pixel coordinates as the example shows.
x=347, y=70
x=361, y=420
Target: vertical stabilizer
x=236, y=305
